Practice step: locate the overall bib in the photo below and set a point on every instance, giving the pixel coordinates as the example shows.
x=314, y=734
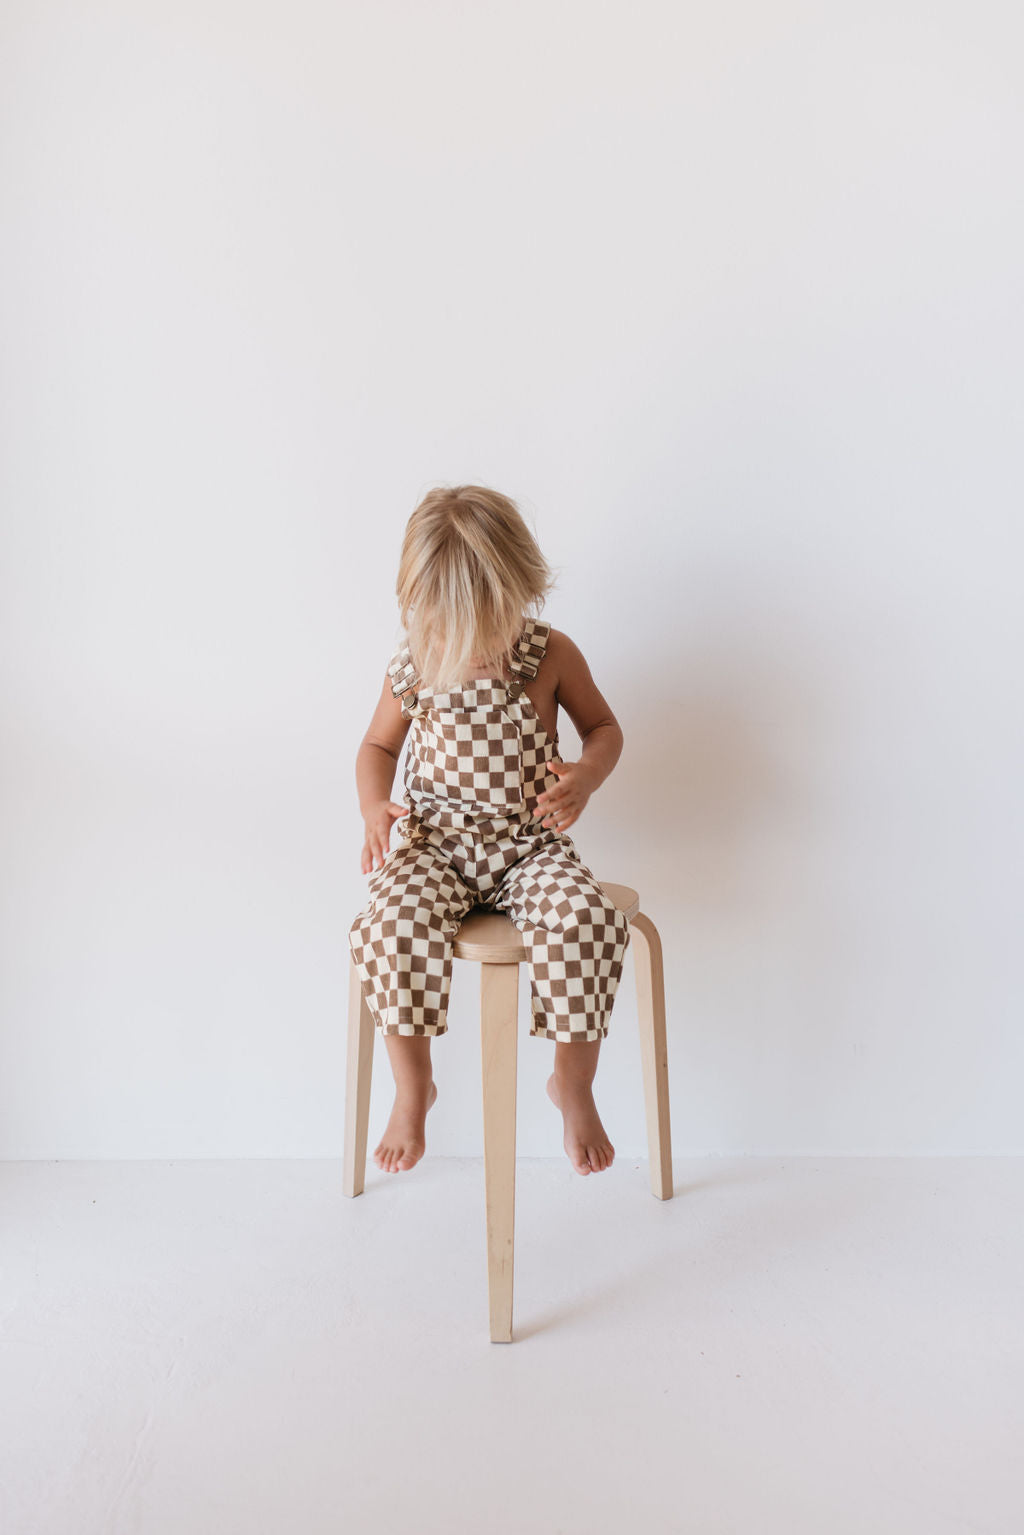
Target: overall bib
x=477, y=760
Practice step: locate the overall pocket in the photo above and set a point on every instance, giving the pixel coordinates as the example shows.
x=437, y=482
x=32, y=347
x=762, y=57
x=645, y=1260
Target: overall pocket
x=468, y=759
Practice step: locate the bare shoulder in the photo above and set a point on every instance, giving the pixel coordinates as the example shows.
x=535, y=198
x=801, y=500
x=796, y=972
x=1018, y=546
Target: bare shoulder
x=575, y=688
x=564, y=655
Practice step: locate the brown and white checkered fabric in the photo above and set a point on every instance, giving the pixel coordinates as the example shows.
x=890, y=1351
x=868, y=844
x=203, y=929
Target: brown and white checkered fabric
x=477, y=760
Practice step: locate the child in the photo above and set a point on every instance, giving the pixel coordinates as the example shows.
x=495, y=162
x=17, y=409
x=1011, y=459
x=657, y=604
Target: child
x=488, y=804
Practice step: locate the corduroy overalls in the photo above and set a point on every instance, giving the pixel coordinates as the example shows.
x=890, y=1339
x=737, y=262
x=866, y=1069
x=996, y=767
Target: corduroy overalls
x=477, y=760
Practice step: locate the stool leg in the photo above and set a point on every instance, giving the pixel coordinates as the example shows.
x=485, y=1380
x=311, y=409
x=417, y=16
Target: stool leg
x=499, y=998
x=358, y=1074
x=650, y=991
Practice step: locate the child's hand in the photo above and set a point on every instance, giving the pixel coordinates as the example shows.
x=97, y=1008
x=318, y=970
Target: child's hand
x=563, y=804
x=378, y=821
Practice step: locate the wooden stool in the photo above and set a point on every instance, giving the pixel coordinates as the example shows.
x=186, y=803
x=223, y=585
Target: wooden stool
x=492, y=939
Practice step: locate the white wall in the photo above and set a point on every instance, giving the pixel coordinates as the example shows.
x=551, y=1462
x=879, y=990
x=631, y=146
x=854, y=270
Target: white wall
x=728, y=297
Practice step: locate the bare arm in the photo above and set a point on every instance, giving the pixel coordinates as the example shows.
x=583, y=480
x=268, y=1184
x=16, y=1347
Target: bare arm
x=589, y=710
x=376, y=761
x=598, y=729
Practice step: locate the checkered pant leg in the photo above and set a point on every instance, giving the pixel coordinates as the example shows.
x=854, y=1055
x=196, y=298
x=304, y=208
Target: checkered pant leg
x=401, y=942
x=576, y=940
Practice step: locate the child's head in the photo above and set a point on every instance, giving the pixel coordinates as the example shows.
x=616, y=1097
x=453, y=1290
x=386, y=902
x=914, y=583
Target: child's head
x=469, y=573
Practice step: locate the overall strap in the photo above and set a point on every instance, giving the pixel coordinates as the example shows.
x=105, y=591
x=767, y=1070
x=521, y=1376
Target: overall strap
x=528, y=654
x=403, y=677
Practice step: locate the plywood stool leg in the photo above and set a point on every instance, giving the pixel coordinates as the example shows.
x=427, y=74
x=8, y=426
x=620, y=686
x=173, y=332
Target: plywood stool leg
x=650, y=990
x=358, y=1074
x=499, y=997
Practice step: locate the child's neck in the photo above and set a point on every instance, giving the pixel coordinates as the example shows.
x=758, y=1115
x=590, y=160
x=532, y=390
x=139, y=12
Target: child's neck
x=478, y=662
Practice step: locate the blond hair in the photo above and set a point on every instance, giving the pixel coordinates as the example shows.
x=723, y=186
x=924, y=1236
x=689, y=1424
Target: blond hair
x=469, y=573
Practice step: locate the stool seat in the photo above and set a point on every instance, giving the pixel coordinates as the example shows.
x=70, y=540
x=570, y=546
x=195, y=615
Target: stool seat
x=492, y=938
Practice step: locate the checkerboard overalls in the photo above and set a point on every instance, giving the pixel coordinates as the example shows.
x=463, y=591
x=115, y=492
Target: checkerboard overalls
x=477, y=760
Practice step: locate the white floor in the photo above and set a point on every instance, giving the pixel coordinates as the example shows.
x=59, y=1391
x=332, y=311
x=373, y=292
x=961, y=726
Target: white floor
x=789, y=1345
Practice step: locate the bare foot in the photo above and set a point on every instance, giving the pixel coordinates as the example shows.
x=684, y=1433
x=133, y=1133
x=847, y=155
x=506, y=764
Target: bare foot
x=404, y=1140
x=586, y=1141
